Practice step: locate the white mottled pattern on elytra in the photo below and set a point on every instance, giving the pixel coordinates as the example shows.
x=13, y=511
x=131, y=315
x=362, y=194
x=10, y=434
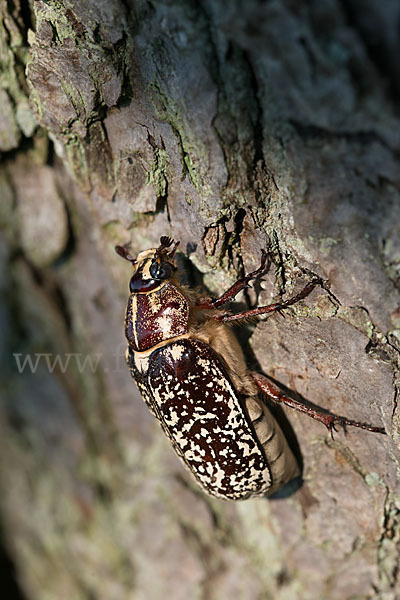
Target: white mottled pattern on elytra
x=177, y=351
x=211, y=434
x=143, y=388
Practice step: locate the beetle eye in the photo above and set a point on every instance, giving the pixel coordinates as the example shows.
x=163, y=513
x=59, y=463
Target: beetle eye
x=132, y=284
x=162, y=271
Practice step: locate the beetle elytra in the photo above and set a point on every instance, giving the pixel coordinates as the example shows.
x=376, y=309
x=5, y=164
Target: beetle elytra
x=192, y=374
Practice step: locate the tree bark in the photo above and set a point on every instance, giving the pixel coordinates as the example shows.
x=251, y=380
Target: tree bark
x=231, y=127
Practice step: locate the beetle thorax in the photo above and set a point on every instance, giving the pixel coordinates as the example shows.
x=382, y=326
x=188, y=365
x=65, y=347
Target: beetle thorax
x=156, y=316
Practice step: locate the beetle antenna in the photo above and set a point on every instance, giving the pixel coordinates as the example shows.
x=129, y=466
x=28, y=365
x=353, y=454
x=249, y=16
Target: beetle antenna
x=172, y=253
x=123, y=251
x=166, y=242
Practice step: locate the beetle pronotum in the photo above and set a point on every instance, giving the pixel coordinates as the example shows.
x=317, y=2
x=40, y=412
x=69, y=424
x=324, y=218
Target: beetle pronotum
x=192, y=374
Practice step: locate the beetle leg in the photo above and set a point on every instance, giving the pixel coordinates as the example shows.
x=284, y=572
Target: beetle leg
x=276, y=307
x=275, y=394
x=237, y=287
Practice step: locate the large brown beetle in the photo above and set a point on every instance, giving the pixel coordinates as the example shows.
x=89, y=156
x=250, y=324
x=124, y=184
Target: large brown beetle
x=192, y=374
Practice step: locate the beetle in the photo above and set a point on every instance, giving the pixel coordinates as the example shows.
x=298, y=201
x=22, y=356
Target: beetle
x=192, y=374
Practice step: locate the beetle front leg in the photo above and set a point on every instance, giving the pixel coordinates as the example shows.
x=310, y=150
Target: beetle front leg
x=275, y=394
x=237, y=287
x=276, y=307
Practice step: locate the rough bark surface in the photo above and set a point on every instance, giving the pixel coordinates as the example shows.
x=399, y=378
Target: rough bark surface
x=232, y=127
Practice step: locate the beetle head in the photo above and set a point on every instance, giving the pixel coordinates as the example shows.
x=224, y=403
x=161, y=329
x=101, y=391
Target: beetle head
x=151, y=267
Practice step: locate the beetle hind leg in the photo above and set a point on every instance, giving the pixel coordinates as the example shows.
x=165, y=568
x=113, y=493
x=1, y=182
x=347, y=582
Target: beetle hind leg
x=329, y=420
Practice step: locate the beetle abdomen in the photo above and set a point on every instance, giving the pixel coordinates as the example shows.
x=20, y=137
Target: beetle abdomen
x=281, y=460
x=204, y=417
